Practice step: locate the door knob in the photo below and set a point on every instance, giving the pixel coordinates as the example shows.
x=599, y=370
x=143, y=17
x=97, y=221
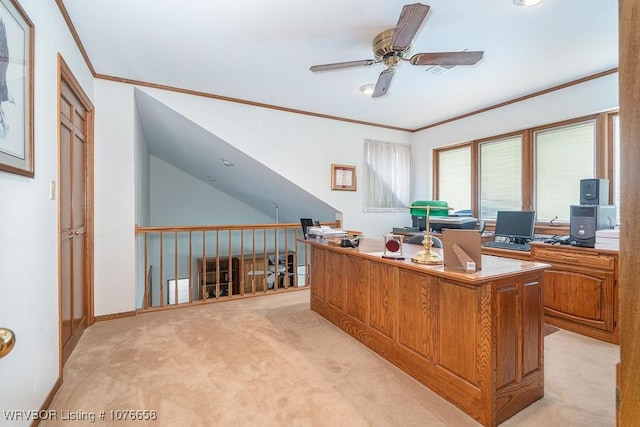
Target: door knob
x=7, y=340
x=77, y=233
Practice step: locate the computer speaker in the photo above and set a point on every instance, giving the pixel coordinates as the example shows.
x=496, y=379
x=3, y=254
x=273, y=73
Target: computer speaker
x=594, y=191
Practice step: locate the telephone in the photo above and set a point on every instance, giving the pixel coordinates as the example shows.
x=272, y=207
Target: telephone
x=350, y=243
x=559, y=240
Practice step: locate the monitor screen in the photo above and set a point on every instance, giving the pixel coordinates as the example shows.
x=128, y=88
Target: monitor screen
x=515, y=224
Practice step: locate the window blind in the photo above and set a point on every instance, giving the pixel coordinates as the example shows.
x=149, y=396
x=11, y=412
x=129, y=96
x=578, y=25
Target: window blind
x=563, y=157
x=616, y=165
x=500, y=176
x=454, y=177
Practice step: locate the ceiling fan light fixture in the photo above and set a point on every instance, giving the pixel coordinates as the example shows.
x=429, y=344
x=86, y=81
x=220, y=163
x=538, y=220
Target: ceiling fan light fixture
x=527, y=2
x=439, y=69
x=367, y=89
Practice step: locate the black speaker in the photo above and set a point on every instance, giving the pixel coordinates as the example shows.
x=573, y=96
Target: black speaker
x=585, y=220
x=594, y=191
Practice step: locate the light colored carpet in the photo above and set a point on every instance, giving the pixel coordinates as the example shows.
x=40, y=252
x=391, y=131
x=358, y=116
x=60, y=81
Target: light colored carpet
x=271, y=361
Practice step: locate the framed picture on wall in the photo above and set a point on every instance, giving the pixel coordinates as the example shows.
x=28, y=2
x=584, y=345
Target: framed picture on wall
x=16, y=89
x=343, y=177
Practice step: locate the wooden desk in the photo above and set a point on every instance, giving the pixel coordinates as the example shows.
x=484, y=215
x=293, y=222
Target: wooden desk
x=475, y=339
x=581, y=287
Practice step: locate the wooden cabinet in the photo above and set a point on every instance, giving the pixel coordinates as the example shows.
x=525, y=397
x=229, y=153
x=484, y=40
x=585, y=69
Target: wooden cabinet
x=581, y=293
x=261, y=271
x=254, y=273
x=215, y=275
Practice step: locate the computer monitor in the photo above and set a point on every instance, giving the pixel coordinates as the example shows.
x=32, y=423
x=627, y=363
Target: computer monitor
x=516, y=225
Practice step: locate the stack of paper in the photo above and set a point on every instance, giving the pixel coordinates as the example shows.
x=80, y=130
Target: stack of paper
x=325, y=232
x=608, y=239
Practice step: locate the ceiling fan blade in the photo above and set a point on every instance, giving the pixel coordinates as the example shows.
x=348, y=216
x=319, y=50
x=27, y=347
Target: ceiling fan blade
x=340, y=65
x=447, y=58
x=384, y=81
x=409, y=23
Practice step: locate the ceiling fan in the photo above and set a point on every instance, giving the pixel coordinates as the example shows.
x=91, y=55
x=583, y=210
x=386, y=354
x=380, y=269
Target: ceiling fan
x=392, y=46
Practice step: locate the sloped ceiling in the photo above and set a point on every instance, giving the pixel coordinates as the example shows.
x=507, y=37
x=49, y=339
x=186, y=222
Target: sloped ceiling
x=180, y=142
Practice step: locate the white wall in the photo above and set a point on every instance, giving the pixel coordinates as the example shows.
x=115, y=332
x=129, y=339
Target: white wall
x=115, y=215
x=575, y=101
x=178, y=198
x=142, y=196
x=28, y=228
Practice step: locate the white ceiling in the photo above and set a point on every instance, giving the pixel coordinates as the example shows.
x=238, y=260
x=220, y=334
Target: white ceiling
x=260, y=51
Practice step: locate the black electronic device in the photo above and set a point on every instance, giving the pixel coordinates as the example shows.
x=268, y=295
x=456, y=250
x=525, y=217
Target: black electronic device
x=438, y=223
x=585, y=220
x=350, y=242
x=517, y=226
x=594, y=191
x=305, y=223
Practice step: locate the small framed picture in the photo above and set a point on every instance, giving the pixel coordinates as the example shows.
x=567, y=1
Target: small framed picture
x=343, y=177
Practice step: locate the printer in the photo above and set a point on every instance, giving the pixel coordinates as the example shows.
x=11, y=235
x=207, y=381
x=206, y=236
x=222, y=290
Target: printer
x=439, y=216
x=437, y=223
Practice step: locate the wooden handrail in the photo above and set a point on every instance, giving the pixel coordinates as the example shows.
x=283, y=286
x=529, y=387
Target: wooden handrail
x=171, y=228
x=223, y=267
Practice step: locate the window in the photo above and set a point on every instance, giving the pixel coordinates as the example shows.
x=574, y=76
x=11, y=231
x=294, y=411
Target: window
x=500, y=176
x=533, y=169
x=387, y=176
x=454, y=177
x=616, y=163
x=563, y=156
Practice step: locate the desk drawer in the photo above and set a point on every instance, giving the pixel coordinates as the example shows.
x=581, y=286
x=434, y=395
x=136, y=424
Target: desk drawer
x=593, y=260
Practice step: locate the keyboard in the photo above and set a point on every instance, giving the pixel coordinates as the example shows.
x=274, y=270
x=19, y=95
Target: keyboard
x=508, y=245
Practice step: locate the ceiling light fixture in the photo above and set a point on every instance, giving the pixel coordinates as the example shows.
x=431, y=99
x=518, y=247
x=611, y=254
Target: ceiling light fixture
x=367, y=89
x=527, y=2
x=226, y=162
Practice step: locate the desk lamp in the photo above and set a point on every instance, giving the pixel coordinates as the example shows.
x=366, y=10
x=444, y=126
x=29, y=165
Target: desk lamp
x=426, y=256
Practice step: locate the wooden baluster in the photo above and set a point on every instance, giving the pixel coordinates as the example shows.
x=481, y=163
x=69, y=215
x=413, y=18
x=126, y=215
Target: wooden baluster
x=190, y=267
x=204, y=266
x=161, y=269
x=265, y=283
x=230, y=268
x=146, y=273
x=217, y=264
x=175, y=268
x=242, y=267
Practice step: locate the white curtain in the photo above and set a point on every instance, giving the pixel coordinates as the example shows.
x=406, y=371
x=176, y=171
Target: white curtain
x=387, y=176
